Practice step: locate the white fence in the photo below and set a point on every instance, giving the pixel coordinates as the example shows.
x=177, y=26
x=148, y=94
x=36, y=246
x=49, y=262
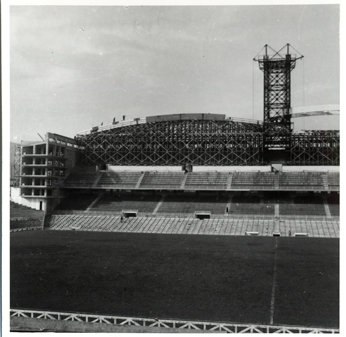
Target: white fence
x=165, y=323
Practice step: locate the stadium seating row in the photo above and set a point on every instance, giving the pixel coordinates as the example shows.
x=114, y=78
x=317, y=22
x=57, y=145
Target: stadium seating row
x=84, y=176
x=234, y=226
x=285, y=204
x=204, y=180
x=128, y=179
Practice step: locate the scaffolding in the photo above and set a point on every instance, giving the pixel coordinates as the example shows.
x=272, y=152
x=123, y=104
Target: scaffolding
x=16, y=170
x=315, y=148
x=176, y=142
x=203, y=142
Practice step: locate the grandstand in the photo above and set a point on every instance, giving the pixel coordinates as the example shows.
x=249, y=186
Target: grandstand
x=187, y=174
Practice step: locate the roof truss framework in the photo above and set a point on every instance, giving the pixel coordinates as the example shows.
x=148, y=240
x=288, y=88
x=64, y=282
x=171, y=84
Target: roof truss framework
x=209, y=142
x=176, y=142
x=315, y=148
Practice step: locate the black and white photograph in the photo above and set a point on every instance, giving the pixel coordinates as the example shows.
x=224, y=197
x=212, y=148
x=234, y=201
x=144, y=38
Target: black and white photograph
x=171, y=167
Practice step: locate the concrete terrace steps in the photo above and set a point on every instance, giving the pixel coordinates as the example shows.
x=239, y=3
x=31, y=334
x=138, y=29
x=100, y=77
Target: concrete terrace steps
x=326, y=228
x=162, y=179
x=82, y=176
x=253, y=179
x=217, y=180
x=206, y=179
x=312, y=180
x=187, y=204
x=123, y=179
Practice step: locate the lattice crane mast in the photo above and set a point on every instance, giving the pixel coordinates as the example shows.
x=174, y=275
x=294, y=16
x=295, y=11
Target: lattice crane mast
x=277, y=67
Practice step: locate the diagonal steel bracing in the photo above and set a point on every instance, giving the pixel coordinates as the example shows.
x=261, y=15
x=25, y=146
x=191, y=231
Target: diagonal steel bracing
x=200, y=142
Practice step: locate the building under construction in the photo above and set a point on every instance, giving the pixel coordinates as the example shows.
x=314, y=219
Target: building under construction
x=184, y=140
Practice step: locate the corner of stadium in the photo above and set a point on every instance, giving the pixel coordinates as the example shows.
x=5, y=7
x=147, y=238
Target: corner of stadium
x=180, y=223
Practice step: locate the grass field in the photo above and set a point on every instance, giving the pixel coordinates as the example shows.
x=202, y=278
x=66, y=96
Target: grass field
x=190, y=277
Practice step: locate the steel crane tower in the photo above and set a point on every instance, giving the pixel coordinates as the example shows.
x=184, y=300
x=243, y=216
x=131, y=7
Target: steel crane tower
x=277, y=67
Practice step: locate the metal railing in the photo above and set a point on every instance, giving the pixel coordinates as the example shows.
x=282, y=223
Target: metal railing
x=166, y=323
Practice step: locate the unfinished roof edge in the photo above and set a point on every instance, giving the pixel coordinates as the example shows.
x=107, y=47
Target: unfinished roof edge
x=165, y=118
x=189, y=116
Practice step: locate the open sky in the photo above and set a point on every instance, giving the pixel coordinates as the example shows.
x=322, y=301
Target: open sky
x=74, y=67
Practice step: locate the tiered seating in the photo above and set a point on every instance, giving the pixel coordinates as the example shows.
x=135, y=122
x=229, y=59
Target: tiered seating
x=250, y=205
x=121, y=179
x=207, y=180
x=78, y=202
x=189, y=204
x=82, y=222
x=81, y=176
x=303, y=206
x=301, y=180
x=218, y=226
x=253, y=180
x=117, y=203
x=334, y=204
x=162, y=179
x=333, y=180
x=24, y=217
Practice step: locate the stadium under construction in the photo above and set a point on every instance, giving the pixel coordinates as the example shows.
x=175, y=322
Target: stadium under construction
x=43, y=170
x=165, y=173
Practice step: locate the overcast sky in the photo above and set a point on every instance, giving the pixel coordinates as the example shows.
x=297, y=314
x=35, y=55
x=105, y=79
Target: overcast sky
x=75, y=67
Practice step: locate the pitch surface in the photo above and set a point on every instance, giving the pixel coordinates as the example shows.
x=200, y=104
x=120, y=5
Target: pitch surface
x=290, y=281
